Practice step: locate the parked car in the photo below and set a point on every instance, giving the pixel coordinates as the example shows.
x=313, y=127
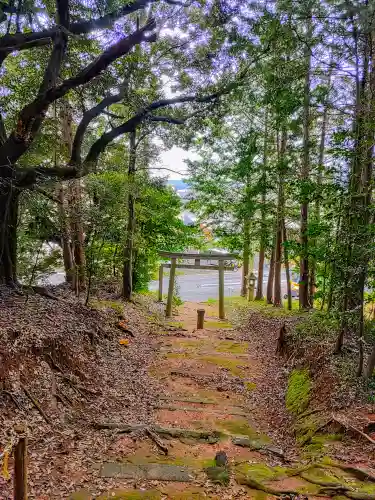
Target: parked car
x=295, y=290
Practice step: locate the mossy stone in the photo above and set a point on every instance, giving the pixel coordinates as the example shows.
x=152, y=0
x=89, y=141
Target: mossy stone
x=298, y=391
x=218, y=475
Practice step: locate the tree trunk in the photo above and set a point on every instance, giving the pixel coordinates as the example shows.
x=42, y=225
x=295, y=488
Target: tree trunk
x=271, y=275
x=78, y=238
x=286, y=264
x=370, y=364
x=74, y=199
x=65, y=238
x=277, y=300
x=259, y=292
x=246, y=256
x=312, y=279
x=127, y=277
x=305, y=174
x=360, y=188
x=8, y=235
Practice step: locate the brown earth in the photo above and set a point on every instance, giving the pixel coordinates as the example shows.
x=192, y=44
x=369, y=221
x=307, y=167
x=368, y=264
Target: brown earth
x=220, y=379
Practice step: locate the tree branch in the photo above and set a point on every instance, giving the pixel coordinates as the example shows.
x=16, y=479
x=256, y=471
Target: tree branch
x=3, y=133
x=32, y=116
x=48, y=195
x=20, y=41
x=167, y=119
x=28, y=177
x=86, y=120
x=99, y=146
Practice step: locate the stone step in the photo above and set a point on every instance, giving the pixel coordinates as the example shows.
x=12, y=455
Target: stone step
x=158, y=472
x=211, y=411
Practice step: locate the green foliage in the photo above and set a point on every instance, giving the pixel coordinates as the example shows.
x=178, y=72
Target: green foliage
x=298, y=392
x=318, y=325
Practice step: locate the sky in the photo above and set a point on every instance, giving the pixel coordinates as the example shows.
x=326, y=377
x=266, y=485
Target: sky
x=173, y=159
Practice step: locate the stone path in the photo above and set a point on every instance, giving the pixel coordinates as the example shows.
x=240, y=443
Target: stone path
x=208, y=377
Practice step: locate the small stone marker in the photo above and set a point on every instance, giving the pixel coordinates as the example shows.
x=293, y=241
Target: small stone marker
x=200, y=319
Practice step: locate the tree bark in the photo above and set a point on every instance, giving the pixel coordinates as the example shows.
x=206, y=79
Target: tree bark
x=263, y=236
x=287, y=268
x=370, y=364
x=8, y=235
x=277, y=300
x=127, y=277
x=312, y=280
x=78, y=235
x=65, y=237
x=75, y=207
x=271, y=275
x=259, y=292
x=246, y=256
x=305, y=174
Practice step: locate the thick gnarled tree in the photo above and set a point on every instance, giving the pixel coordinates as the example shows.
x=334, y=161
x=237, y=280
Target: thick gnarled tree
x=54, y=87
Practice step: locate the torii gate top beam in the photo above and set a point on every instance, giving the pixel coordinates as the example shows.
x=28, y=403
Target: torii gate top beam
x=200, y=256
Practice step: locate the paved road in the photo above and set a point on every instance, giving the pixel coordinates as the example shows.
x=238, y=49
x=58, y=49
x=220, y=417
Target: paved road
x=199, y=286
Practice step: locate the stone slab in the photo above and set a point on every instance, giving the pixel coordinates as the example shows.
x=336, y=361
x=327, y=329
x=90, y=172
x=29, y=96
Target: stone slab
x=160, y=472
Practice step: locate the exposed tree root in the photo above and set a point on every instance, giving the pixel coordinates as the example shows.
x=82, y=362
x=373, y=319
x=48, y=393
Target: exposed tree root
x=14, y=399
x=356, y=495
x=361, y=474
x=73, y=385
x=211, y=436
x=36, y=404
x=41, y=290
x=159, y=443
x=324, y=484
x=256, y=485
x=351, y=428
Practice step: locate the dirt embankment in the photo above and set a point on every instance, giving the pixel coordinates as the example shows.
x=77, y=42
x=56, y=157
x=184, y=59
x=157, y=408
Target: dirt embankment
x=79, y=367
x=308, y=398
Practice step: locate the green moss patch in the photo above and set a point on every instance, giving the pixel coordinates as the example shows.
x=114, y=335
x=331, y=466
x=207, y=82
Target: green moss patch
x=233, y=365
x=131, y=495
x=176, y=324
x=118, y=307
x=260, y=472
x=298, y=391
x=232, y=347
x=217, y=324
x=250, y=386
x=190, y=344
x=321, y=475
x=240, y=427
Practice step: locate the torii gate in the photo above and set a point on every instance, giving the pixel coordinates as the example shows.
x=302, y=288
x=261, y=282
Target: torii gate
x=197, y=257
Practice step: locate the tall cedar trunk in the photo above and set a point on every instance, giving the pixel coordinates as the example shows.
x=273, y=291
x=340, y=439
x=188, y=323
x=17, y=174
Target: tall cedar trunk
x=360, y=187
x=286, y=264
x=8, y=234
x=312, y=279
x=277, y=301
x=305, y=173
x=271, y=274
x=127, y=277
x=246, y=256
x=65, y=237
x=368, y=179
x=259, y=292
